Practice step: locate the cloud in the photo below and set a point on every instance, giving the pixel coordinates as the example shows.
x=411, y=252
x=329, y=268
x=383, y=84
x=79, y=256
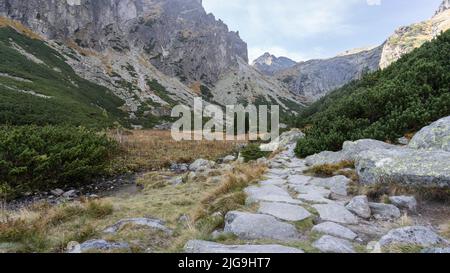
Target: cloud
x=267, y=24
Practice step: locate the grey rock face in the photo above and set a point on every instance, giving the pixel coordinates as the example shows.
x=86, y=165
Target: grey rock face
x=201, y=165
x=349, y=152
x=314, y=79
x=209, y=247
x=269, y=64
x=335, y=213
x=284, y=212
x=404, y=202
x=250, y=226
x=404, y=166
x=335, y=230
x=99, y=246
x=330, y=244
x=143, y=222
x=419, y=236
x=385, y=211
x=359, y=205
x=435, y=136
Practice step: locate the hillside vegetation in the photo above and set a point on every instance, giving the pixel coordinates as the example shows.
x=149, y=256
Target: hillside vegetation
x=38, y=87
x=384, y=105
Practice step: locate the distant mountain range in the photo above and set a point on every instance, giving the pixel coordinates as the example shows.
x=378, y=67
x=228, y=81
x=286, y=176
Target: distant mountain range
x=315, y=78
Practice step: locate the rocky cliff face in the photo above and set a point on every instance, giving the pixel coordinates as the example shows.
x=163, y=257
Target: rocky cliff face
x=407, y=38
x=314, y=79
x=269, y=64
x=150, y=53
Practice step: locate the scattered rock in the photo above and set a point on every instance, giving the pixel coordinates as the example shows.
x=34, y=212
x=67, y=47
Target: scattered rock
x=330, y=244
x=201, y=165
x=359, y=205
x=144, y=222
x=250, y=226
x=179, y=168
x=57, y=192
x=435, y=136
x=404, y=202
x=210, y=247
x=385, y=211
x=285, y=212
x=98, y=246
x=415, y=236
x=335, y=230
x=408, y=167
x=229, y=159
x=70, y=194
x=283, y=141
x=335, y=213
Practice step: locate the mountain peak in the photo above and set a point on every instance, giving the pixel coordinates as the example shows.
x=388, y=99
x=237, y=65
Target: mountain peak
x=443, y=7
x=270, y=64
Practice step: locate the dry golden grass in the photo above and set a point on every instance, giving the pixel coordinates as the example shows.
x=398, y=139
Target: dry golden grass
x=328, y=170
x=154, y=150
x=6, y=22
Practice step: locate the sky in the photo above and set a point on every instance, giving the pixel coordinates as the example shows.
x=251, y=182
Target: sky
x=311, y=29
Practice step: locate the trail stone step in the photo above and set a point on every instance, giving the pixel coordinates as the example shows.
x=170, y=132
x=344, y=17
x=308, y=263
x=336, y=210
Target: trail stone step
x=273, y=181
x=210, y=247
x=269, y=193
x=333, y=229
x=385, y=211
x=336, y=213
x=299, y=179
x=284, y=212
x=359, y=205
x=250, y=226
x=330, y=244
x=337, y=184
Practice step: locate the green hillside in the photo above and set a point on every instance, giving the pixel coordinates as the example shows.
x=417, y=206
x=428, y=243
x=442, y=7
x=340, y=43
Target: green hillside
x=384, y=105
x=38, y=87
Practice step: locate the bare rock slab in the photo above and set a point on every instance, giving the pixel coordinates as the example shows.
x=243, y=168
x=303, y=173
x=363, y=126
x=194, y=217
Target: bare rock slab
x=210, y=247
x=250, y=226
x=333, y=229
x=416, y=236
x=336, y=213
x=359, y=205
x=330, y=244
x=284, y=212
x=269, y=193
x=99, y=246
x=385, y=211
x=143, y=222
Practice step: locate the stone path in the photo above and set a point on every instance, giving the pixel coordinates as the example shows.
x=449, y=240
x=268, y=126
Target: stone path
x=288, y=200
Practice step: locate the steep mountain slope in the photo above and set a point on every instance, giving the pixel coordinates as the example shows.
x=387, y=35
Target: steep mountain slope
x=314, y=79
x=384, y=105
x=38, y=87
x=149, y=53
x=405, y=39
x=269, y=64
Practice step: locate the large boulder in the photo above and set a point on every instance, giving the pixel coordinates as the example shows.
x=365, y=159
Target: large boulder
x=349, y=152
x=248, y=226
x=409, y=167
x=203, y=247
x=435, y=136
x=283, y=141
x=412, y=236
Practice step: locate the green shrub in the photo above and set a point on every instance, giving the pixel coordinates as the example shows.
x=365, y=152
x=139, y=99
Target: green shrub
x=384, y=105
x=42, y=158
x=253, y=152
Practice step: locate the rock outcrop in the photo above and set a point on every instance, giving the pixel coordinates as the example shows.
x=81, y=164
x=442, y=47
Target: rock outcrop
x=269, y=64
x=434, y=137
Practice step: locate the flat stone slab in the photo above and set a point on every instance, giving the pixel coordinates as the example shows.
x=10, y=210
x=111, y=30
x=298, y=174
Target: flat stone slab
x=336, y=213
x=145, y=222
x=284, y=212
x=210, y=247
x=273, y=181
x=337, y=184
x=385, y=211
x=249, y=226
x=269, y=193
x=417, y=235
x=299, y=179
x=330, y=244
x=93, y=246
x=333, y=229
x=279, y=171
